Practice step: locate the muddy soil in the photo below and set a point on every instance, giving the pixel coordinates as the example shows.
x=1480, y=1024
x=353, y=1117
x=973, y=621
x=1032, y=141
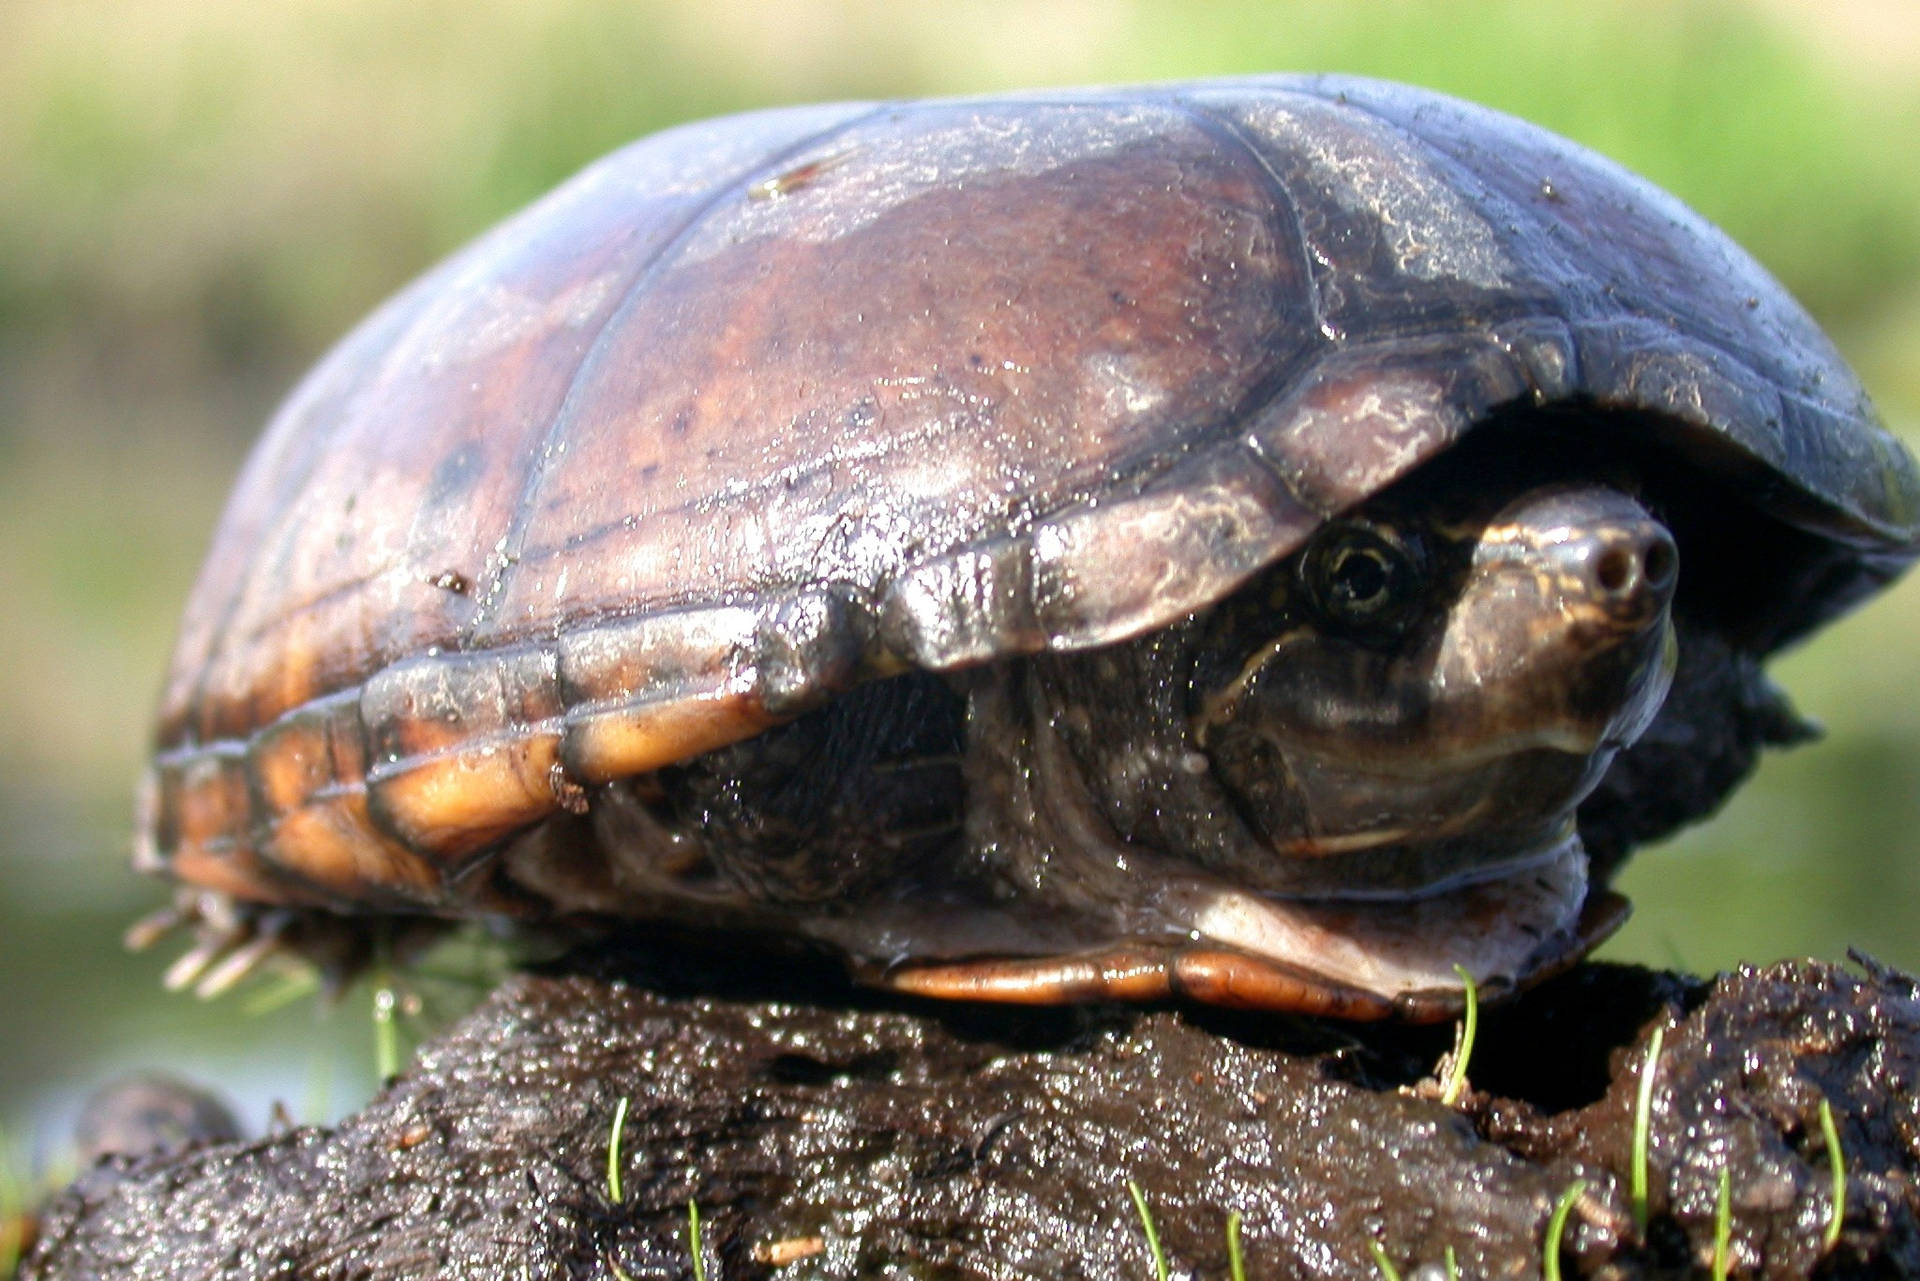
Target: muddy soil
x=825, y=1133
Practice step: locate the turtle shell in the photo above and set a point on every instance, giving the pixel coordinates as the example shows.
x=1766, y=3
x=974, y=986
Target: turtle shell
x=759, y=408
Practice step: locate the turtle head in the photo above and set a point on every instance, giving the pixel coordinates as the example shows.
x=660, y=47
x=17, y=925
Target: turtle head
x=1445, y=676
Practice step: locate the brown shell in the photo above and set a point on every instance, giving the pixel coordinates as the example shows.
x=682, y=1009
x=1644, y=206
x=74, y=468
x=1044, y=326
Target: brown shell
x=763, y=406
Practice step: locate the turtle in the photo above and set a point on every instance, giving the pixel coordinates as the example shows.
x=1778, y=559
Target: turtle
x=1274, y=542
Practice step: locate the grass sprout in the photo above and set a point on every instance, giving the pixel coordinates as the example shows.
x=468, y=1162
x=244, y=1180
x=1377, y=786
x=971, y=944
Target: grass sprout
x=1380, y=1260
x=13, y=1208
x=693, y=1239
x=1153, y=1234
x=1453, y=1265
x=1642, y=1129
x=1236, y=1262
x=1557, y=1227
x=1463, y=1045
x=386, y=1030
x=1837, y=1160
x=616, y=1193
x=386, y=1008
x=1722, y=1226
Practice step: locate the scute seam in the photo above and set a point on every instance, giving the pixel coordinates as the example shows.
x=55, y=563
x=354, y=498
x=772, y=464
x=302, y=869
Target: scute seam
x=541, y=454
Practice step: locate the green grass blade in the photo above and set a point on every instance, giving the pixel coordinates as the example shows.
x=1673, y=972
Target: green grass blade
x=1642, y=1129
x=1453, y=1265
x=13, y=1205
x=693, y=1242
x=1837, y=1161
x=386, y=1033
x=386, y=1007
x=616, y=1193
x=1557, y=1227
x=1380, y=1260
x=1722, y=1225
x=1153, y=1234
x=1463, y=1050
x=1236, y=1262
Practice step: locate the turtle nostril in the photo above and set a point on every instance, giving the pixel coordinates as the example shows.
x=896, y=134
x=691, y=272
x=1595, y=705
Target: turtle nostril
x=1660, y=561
x=1644, y=565
x=1615, y=569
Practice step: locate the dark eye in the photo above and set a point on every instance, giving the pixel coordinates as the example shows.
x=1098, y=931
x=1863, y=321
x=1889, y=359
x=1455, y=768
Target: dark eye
x=1363, y=578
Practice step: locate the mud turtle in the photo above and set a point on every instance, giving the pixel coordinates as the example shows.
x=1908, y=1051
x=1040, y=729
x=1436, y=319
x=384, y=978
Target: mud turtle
x=1221, y=539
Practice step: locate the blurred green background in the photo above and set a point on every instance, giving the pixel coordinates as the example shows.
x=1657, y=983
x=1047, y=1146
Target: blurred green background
x=196, y=198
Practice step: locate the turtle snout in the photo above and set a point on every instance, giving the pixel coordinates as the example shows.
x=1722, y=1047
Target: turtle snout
x=1607, y=559
x=1628, y=569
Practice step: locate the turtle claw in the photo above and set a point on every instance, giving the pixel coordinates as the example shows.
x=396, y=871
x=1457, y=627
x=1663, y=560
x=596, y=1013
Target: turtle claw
x=230, y=942
x=153, y=927
x=183, y=973
x=237, y=965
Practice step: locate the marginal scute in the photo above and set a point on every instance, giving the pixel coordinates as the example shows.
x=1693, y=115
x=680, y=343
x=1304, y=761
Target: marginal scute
x=649, y=691
x=310, y=752
x=1352, y=427
x=1851, y=481
x=1109, y=572
x=464, y=746
x=1703, y=387
x=1543, y=348
x=809, y=648
x=202, y=820
x=972, y=606
x=333, y=843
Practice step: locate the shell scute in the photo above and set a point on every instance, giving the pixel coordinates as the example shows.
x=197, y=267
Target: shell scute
x=1108, y=571
x=638, y=688
x=1392, y=222
x=465, y=746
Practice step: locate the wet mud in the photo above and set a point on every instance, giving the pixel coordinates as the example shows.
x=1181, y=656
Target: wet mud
x=824, y=1133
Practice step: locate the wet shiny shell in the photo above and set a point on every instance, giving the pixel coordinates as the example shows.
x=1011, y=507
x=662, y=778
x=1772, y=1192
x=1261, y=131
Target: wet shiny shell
x=765, y=406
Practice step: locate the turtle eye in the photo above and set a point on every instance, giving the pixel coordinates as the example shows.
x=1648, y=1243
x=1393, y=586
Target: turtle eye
x=1363, y=577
